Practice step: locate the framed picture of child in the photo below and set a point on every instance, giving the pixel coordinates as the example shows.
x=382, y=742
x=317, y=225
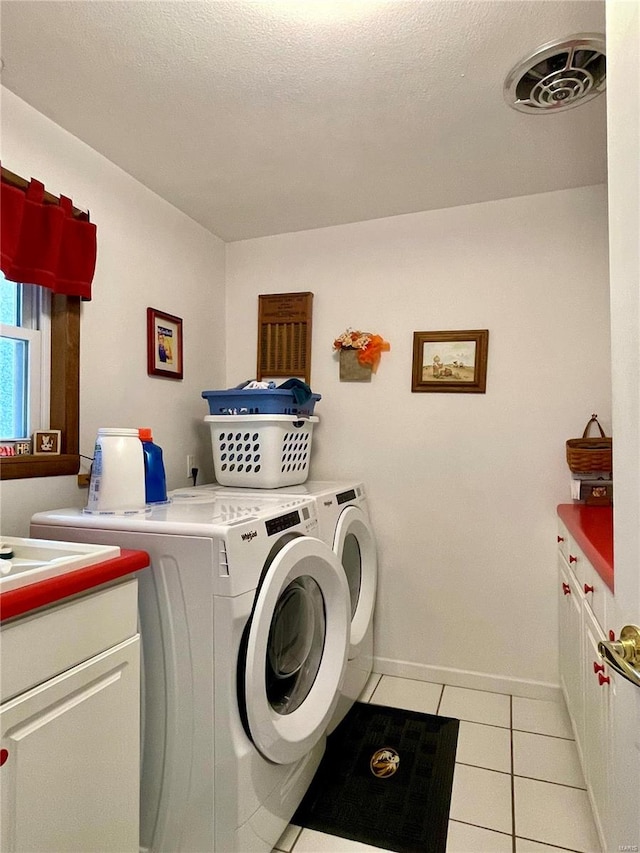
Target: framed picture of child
x=164, y=344
x=450, y=361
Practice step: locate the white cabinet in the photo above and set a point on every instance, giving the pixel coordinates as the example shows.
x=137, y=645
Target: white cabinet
x=596, y=746
x=588, y=687
x=69, y=779
x=570, y=624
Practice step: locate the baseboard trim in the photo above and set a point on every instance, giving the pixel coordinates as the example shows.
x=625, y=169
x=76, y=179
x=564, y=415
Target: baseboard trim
x=468, y=678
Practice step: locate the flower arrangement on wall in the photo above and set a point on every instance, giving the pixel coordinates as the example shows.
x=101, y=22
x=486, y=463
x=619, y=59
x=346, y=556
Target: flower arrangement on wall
x=367, y=348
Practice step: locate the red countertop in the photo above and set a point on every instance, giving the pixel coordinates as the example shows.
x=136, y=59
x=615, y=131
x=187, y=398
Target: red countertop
x=17, y=602
x=592, y=528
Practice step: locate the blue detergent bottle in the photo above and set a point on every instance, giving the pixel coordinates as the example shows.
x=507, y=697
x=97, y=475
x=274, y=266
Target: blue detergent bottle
x=155, y=480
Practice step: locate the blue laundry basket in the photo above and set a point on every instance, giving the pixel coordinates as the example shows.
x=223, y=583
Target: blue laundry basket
x=260, y=401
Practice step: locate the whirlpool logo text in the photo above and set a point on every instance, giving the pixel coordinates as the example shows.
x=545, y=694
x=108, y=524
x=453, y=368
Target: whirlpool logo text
x=251, y=534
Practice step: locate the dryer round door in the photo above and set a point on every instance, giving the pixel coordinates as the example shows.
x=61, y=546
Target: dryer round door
x=355, y=547
x=296, y=650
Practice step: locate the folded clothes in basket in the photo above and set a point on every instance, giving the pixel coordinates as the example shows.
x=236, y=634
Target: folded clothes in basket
x=254, y=385
x=300, y=390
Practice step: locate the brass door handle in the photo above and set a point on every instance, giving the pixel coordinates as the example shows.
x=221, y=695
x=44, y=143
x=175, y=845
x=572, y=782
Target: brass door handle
x=623, y=655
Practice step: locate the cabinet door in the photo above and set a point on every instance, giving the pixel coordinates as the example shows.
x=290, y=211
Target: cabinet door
x=570, y=628
x=70, y=750
x=564, y=540
x=597, y=738
x=623, y=830
x=596, y=595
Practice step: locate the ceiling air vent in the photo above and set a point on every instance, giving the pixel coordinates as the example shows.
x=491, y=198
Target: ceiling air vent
x=559, y=75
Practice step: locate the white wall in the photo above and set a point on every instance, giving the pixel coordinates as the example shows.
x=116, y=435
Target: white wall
x=462, y=487
x=149, y=254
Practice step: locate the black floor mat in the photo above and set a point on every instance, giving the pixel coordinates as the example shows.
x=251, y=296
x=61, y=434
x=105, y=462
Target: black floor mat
x=406, y=810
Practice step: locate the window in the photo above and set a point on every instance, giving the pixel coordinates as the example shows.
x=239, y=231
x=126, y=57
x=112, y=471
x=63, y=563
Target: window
x=50, y=244
x=39, y=376
x=24, y=359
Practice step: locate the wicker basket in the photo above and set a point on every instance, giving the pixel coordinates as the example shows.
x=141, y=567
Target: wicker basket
x=590, y=454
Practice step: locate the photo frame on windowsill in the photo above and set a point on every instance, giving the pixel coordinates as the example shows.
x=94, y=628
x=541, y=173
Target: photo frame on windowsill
x=46, y=442
x=450, y=362
x=164, y=344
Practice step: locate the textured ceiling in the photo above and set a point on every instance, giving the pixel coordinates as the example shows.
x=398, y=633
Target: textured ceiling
x=261, y=117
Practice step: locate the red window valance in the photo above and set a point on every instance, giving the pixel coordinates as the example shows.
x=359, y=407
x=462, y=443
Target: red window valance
x=45, y=240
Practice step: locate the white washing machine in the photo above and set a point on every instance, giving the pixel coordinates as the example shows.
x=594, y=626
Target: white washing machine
x=345, y=526
x=245, y=628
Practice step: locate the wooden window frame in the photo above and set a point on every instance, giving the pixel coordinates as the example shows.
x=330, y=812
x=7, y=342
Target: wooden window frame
x=65, y=398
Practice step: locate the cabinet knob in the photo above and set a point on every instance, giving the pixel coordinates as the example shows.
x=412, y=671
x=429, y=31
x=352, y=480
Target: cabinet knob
x=572, y=559
x=560, y=538
x=4, y=754
x=603, y=679
x=598, y=667
x=587, y=588
x=566, y=589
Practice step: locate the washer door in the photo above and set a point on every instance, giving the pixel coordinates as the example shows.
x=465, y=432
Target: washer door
x=355, y=547
x=296, y=650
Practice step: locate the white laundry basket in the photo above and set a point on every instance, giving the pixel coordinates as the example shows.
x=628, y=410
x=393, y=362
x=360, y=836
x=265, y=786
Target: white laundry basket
x=261, y=451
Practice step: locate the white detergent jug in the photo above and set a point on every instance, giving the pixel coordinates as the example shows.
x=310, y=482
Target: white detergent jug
x=117, y=473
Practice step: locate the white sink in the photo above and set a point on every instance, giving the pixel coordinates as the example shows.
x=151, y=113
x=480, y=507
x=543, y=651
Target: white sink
x=36, y=560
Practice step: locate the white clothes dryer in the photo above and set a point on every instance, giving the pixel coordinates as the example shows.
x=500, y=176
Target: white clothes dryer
x=345, y=525
x=245, y=624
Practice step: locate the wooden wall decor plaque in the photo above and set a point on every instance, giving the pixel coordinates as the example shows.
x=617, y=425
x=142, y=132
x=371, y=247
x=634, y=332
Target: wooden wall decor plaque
x=284, y=335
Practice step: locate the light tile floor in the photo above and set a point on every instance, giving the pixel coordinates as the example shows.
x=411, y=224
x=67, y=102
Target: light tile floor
x=517, y=786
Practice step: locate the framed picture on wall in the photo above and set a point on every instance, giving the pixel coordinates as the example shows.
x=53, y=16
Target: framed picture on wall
x=164, y=344
x=450, y=361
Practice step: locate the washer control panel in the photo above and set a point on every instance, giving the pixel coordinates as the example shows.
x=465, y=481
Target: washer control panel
x=345, y=497
x=284, y=522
